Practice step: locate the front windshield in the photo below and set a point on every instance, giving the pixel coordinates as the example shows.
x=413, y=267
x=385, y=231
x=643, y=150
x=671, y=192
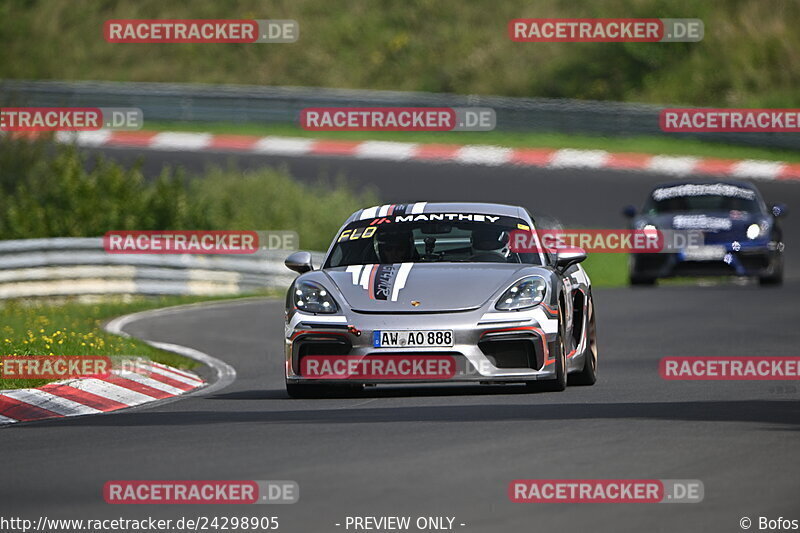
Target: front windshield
x=445, y=239
x=691, y=198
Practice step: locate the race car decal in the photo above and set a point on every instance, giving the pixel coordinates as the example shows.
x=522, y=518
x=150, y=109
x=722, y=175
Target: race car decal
x=400, y=282
x=357, y=233
x=701, y=222
x=692, y=189
x=312, y=319
x=451, y=217
x=392, y=209
x=580, y=276
x=549, y=311
x=418, y=208
x=383, y=282
x=355, y=271
x=548, y=325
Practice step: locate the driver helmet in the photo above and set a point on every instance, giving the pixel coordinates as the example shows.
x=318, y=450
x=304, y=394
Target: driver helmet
x=394, y=245
x=490, y=240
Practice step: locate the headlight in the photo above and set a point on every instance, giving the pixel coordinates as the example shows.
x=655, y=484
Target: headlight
x=753, y=231
x=313, y=298
x=525, y=293
x=650, y=231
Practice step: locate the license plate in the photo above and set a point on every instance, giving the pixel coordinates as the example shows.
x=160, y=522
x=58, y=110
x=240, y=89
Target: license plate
x=704, y=253
x=422, y=338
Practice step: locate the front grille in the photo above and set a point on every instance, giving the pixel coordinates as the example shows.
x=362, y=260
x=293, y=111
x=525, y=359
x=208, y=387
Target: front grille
x=753, y=262
x=514, y=351
x=318, y=344
x=651, y=262
x=703, y=268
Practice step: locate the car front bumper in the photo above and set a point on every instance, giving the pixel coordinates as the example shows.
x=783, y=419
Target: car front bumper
x=737, y=259
x=489, y=347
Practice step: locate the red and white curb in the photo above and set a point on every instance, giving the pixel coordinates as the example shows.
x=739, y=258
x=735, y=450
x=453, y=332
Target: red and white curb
x=464, y=154
x=151, y=382
x=146, y=382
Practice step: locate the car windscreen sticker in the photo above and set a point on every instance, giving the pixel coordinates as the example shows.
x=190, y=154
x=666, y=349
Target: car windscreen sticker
x=385, y=210
x=691, y=189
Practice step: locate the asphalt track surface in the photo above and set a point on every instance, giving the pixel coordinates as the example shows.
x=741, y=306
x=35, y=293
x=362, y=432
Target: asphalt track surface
x=453, y=451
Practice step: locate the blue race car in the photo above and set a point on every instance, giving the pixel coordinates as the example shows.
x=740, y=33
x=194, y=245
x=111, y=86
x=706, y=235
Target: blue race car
x=741, y=234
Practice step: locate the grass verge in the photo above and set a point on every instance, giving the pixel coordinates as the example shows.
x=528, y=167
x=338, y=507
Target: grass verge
x=511, y=139
x=73, y=328
x=607, y=270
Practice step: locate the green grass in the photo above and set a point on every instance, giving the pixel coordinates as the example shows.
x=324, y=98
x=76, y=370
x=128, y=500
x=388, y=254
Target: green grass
x=607, y=270
x=73, y=328
x=642, y=144
x=749, y=57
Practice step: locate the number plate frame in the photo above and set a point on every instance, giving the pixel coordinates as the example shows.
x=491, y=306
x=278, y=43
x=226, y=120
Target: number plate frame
x=399, y=338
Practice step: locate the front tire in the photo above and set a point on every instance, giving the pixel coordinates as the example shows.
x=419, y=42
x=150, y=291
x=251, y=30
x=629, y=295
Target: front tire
x=642, y=281
x=588, y=375
x=774, y=279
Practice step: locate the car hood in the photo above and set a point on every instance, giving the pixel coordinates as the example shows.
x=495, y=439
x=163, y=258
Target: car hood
x=436, y=286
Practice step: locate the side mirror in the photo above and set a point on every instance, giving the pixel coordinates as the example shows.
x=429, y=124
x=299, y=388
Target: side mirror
x=778, y=210
x=299, y=262
x=629, y=211
x=567, y=258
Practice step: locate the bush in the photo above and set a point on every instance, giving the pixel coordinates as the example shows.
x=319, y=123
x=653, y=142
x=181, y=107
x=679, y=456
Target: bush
x=47, y=191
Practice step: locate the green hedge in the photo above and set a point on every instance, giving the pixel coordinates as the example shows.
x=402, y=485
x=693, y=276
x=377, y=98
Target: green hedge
x=47, y=191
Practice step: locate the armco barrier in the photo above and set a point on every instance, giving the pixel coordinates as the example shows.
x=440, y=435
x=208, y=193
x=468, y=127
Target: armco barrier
x=265, y=105
x=80, y=266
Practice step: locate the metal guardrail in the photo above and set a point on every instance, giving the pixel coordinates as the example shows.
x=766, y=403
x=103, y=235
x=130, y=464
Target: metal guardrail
x=80, y=266
x=255, y=104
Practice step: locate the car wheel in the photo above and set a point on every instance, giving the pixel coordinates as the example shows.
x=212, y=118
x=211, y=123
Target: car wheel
x=641, y=280
x=773, y=279
x=588, y=375
x=560, y=355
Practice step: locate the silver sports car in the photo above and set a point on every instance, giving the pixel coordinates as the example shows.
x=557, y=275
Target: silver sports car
x=433, y=292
